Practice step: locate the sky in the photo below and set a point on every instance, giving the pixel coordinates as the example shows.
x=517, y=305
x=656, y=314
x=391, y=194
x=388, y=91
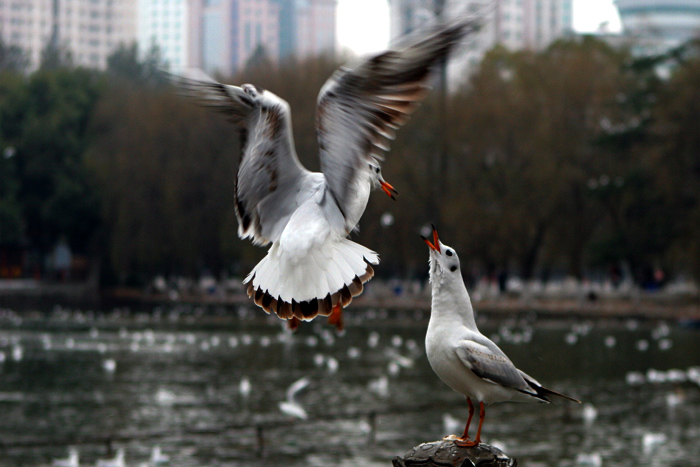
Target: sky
x=363, y=25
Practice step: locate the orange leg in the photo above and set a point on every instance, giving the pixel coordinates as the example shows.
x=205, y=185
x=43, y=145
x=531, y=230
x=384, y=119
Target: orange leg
x=465, y=435
x=464, y=441
x=336, y=318
x=293, y=323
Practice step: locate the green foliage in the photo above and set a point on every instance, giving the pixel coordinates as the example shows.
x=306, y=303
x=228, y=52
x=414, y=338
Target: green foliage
x=12, y=58
x=124, y=66
x=165, y=169
x=54, y=57
x=47, y=125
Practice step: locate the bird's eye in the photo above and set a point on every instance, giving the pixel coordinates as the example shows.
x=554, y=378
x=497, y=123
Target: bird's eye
x=453, y=268
x=377, y=170
x=449, y=252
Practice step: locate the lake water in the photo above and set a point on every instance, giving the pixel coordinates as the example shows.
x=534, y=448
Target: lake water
x=206, y=386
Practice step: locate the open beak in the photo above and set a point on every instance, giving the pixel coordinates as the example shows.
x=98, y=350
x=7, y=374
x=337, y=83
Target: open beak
x=435, y=245
x=388, y=189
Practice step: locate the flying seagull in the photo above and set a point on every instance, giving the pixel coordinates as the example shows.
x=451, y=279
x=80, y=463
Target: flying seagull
x=463, y=358
x=312, y=268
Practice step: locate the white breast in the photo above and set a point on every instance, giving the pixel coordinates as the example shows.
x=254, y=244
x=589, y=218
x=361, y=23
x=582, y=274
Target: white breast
x=357, y=205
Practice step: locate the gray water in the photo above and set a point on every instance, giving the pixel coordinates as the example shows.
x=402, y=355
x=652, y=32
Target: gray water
x=176, y=378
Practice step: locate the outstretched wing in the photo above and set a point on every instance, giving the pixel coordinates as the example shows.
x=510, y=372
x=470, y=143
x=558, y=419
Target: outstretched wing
x=360, y=109
x=269, y=174
x=488, y=362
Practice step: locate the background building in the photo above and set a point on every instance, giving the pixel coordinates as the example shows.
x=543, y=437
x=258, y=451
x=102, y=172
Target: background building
x=315, y=27
x=89, y=30
x=232, y=32
x=169, y=25
x=515, y=24
x=657, y=25
x=219, y=36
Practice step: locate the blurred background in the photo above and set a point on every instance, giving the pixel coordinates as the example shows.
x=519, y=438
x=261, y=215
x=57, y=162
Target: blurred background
x=559, y=153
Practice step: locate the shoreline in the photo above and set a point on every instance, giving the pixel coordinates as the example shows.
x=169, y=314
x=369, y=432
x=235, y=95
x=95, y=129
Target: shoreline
x=642, y=305
x=680, y=309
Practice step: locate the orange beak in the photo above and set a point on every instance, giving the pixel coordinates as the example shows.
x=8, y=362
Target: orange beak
x=435, y=245
x=388, y=189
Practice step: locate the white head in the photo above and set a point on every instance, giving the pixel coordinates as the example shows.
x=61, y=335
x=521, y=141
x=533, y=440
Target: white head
x=251, y=95
x=444, y=262
x=377, y=181
x=448, y=287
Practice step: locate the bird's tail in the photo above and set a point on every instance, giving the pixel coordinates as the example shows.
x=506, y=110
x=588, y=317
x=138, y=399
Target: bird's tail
x=303, y=288
x=542, y=392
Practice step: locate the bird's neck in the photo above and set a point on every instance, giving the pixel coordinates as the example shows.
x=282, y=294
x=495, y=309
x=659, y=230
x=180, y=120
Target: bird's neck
x=451, y=304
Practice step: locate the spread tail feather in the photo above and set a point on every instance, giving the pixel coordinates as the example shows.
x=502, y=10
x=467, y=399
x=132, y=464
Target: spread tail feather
x=304, y=288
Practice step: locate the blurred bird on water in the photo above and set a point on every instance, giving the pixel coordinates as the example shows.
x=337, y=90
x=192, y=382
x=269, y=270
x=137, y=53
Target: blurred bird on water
x=290, y=406
x=116, y=461
x=73, y=459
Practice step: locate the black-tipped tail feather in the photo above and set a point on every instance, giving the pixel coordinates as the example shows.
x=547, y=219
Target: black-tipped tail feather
x=543, y=393
x=308, y=309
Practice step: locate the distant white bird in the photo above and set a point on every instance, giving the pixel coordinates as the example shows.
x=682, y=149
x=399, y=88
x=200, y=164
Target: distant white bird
x=312, y=268
x=462, y=357
x=393, y=368
x=585, y=459
x=635, y=378
x=73, y=459
x=244, y=387
x=400, y=360
x=650, y=441
x=379, y=386
x=319, y=359
x=332, y=364
x=116, y=461
x=642, y=345
x=693, y=374
x=17, y=353
x=676, y=398
x=109, y=365
x=354, y=353
x=373, y=339
x=450, y=423
x=290, y=406
x=157, y=456
x=589, y=413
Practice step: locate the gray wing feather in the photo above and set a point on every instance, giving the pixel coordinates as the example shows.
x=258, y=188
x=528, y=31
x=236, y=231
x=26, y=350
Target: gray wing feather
x=488, y=362
x=269, y=173
x=216, y=96
x=360, y=109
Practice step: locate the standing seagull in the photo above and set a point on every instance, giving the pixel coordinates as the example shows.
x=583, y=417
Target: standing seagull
x=466, y=360
x=312, y=268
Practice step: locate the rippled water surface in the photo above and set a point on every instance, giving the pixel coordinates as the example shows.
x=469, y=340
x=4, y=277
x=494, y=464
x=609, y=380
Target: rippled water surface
x=209, y=388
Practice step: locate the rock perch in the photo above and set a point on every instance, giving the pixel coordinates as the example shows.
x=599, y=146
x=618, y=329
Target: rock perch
x=446, y=453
